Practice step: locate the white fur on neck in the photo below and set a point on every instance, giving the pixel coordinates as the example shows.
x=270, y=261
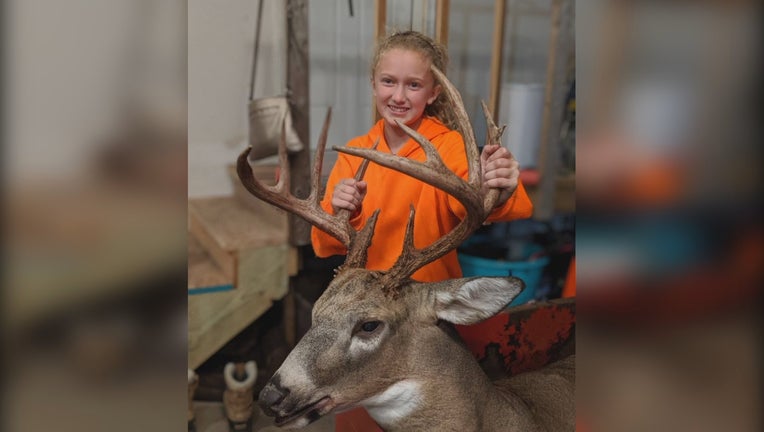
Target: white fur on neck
x=395, y=403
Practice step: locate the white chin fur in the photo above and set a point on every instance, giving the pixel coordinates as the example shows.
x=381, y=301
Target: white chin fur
x=396, y=403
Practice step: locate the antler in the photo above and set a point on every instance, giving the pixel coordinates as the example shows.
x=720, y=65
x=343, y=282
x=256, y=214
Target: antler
x=338, y=226
x=477, y=201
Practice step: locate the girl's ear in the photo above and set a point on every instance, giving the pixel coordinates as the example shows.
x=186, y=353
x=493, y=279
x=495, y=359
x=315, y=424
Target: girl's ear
x=435, y=92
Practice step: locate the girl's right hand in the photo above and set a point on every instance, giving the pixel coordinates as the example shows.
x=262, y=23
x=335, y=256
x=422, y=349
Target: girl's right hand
x=349, y=194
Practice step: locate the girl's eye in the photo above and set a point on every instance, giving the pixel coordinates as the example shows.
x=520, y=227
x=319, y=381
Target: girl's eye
x=369, y=326
x=414, y=85
x=386, y=81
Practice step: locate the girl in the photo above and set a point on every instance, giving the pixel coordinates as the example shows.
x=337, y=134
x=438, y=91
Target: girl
x=405, y=90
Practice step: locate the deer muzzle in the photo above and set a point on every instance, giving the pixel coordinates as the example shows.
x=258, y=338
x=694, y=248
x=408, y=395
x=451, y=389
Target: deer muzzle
x=271, y=397
x=290, y=411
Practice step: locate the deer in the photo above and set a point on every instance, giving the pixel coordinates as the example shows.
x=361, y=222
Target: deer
x=375, y=339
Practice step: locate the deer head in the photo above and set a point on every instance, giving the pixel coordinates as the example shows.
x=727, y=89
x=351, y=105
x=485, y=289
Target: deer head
x=374, y=339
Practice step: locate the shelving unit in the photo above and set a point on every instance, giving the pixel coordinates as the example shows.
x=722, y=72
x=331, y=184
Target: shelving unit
x=239, y=263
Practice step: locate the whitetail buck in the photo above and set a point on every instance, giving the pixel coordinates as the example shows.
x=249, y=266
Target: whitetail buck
x=374, y=340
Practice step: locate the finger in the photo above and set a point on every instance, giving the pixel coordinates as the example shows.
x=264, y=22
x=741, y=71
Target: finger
x=348, y=188
x=351, y=196
x=506, y=173
x=361, y=187
x=510, y=164
x=500, y=153
x=488, y=150
x=497, y=164
x=341, y=204
x=355, y=186
x=343, y=193
x=502, y=183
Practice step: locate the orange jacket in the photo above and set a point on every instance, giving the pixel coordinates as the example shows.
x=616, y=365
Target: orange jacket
x=437, y=213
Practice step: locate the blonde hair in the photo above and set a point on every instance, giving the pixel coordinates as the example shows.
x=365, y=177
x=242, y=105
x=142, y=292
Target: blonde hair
x=431, y=50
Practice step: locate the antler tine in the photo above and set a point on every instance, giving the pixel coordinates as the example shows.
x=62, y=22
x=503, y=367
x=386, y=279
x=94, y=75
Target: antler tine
x=338, y=226
x=345, y=213
x=318, y=162
x=356, y=255
x=463, y=120
x=279, y=195
x=494, y=132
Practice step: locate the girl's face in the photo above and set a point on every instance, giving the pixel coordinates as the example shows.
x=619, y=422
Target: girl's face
x=403, y=86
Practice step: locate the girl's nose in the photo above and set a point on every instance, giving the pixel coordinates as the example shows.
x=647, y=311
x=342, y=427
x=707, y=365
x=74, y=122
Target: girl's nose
x=399, y=95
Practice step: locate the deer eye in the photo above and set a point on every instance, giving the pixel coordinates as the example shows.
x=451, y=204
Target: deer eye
x=369, y=326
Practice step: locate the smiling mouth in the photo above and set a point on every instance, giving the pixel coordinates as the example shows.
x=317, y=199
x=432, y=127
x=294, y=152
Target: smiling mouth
x=397, y=110
x=310, y=412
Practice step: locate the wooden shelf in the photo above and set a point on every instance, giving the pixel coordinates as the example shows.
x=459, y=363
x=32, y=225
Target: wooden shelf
x=239, y=264
x=228, y=229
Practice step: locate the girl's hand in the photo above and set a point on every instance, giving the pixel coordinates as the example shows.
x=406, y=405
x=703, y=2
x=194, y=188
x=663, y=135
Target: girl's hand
x=500, y=170
x=348, y=194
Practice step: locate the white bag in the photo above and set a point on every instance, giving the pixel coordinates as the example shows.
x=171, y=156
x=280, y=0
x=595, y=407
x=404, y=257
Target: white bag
x=267, y=117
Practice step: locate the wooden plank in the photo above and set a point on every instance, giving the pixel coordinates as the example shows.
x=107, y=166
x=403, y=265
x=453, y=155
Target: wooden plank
x=380, y=19
x=380, y=30
x=223, y=259
x=214, y=318
x=442, y=11
x=203, y=273
x=298, y=89
x=233, y=225
x=497, y=56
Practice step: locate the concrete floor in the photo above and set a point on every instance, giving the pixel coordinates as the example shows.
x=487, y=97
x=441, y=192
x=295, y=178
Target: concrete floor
x=210, y=417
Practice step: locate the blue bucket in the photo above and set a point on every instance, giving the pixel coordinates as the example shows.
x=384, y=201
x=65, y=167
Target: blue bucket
x=529, y=271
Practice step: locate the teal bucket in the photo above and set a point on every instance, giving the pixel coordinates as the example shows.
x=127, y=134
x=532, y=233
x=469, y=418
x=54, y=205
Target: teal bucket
x=529, y=271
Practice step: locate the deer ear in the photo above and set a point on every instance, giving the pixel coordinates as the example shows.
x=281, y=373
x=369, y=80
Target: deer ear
x=470, y=300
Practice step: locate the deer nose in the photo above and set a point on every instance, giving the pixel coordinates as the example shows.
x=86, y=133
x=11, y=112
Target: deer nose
x=270, y=396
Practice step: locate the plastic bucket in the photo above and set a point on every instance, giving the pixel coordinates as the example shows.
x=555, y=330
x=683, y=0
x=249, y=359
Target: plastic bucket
x=529, y=271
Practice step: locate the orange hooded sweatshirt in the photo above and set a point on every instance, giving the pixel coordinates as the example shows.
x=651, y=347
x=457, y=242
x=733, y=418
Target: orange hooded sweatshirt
x=437, y=213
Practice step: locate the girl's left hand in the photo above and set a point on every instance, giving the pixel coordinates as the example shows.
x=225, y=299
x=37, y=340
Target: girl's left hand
x=500, y=170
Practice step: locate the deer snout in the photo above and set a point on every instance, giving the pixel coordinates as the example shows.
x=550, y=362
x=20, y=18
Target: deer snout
x=271, y=396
